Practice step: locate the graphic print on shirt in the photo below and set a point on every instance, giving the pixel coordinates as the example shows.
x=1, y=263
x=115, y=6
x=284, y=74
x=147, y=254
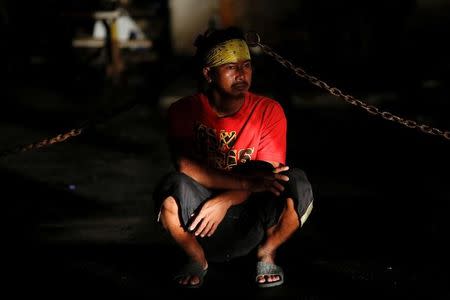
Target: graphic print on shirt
x=217, y=148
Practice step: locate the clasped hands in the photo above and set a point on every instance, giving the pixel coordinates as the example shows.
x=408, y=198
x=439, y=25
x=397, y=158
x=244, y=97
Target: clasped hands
x=267, y=181
x=206, y=221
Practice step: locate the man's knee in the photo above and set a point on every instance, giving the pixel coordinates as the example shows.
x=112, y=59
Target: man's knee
x=169, y=206
x=186, y=195
x=168, y=211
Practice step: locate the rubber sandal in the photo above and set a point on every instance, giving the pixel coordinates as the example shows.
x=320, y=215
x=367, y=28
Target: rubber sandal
x=263, y=268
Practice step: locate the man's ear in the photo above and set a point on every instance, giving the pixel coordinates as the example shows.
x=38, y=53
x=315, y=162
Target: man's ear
x=207, y=74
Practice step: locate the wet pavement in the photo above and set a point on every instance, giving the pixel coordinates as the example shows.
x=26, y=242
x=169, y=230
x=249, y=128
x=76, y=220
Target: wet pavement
x=77, y=216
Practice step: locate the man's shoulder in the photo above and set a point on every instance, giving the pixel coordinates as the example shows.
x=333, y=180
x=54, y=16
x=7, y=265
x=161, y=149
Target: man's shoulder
x=265, y=101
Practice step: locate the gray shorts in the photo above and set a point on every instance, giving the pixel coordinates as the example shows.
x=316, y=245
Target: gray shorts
x=244, y=226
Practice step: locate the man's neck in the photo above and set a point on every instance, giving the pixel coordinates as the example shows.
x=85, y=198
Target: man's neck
x=225, y=105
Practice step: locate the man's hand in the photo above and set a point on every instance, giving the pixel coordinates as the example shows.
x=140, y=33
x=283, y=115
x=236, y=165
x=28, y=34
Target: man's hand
x=268, y=181
x=209, y=217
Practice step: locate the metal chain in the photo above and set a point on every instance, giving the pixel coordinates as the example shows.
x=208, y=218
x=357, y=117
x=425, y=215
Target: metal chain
x=255, y=41
x=57, y=139
x=45, y=142
x=73, y=132
x=348, y=98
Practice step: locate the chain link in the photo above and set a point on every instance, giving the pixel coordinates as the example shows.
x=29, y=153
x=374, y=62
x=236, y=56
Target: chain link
x=57, y=139
x=45, y=142
x=71, y=133
x=352, y=100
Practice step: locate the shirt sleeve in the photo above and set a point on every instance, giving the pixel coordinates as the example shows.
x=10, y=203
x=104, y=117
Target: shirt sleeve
x=272, y=145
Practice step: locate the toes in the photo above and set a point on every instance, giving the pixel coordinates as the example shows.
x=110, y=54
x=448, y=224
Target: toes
x=189, y=280
x=194, y=280
x=261, y=279
x=184, y=281
x=268, y=278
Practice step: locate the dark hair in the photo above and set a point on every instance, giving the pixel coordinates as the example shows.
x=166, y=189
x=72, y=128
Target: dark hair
x=211, y=38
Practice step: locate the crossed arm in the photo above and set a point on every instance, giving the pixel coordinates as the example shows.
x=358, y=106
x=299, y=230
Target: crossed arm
x=237, y=188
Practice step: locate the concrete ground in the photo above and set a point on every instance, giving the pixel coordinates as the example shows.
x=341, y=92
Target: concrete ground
x=77, y=216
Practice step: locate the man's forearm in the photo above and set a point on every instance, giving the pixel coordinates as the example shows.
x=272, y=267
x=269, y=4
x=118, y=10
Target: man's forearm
x=235, y=197
x=211, y=178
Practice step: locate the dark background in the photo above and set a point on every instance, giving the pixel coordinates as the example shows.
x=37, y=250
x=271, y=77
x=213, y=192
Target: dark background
x=77, y=216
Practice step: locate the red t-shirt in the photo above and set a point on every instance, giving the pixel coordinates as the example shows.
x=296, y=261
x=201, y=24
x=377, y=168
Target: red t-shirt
x=256, y=132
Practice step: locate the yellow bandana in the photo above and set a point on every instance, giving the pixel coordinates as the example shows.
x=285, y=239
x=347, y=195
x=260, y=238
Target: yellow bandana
x=227, y=52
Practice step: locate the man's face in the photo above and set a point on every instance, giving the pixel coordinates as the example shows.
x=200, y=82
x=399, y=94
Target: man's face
x=232, y=79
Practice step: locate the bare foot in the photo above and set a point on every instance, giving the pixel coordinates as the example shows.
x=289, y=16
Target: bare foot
x=191, y=279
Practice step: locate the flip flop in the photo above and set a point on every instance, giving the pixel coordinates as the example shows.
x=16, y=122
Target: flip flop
x=190, y=269
x=263, y=268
